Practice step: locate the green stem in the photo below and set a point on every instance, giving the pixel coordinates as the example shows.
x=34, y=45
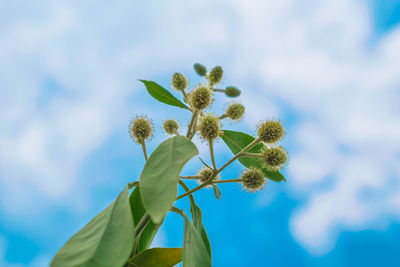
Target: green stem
x=228, y=181
x=186, y=188
x=144, y=150
x=211, y=145
x=180, y=212
x=142, y=224
x=253, y=155
x=188, y=193
x=138, y=230
x=205, y=164
x=185, y=97
x=194, y=130
x=133, y=184
x=190, y=177
x=223, y=116
x=209, y=181
x=192, y=120
x=252, y=144
x=219, y=90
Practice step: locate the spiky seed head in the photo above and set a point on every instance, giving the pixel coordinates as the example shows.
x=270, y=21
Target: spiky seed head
x=171, y=126
x=140, y=129
x=215, y=75
x=235, y=111
x=200, y=98
x=200, y=69
x=270, y=131
x=179, y=82
x=205, y=174
x=275, y=158
x=253, y=180
x=209, y=127
x=232, y=91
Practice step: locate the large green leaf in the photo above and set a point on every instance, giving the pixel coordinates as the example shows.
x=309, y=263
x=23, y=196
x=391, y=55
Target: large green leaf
x=138, y=211
x=160, y=175
x=160, y=257
x=162, y=94
x=107, y=240
x=236, y=141
x=195, y=250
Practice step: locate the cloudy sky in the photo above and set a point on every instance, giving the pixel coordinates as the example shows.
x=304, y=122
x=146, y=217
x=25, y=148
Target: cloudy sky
x=330, y=70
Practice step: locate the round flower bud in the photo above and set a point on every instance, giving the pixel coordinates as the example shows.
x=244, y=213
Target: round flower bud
x=270, y=131
x=253, y=180
x=140, y=129
x=205, y=174
x=232, y=91
x=171, y=126
x=200, y=69
x=179, y=82
x=215, y=75
x=275, y=158
x=209, y=127
x=200, y=98
x=235, y=111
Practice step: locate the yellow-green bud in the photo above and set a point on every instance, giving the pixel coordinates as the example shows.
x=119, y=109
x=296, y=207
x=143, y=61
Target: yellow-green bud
x=275, y=158
x=209, y=127
x=205, y=174
x=200, y=69
x=253, y=180
x=200, y=98
x=215, y=75
x=140, y=129
x=235, y=111
x=270, y=131
x=179, y=82
x=232, y=91
x=171, y=126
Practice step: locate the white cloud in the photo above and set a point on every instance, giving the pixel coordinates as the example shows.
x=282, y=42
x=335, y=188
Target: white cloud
x=317, y=58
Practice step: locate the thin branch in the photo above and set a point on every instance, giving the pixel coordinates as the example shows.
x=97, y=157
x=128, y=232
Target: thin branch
x=209, y=181
x=253, y=155
x=228, y=181
x=223, y=116
x=144, y=150
x=180, y=212
x=139, y=229
x=185, y=97
x=190, y=177
x=142, y=224
x=193, y=190
x=210, y=144
x=252, y=144
x=194, y=130
x=133, y=184
x=205, y=164
x=219, y=90
x=192, y=120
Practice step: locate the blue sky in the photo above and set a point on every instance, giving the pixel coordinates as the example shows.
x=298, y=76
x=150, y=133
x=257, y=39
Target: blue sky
x=329, y=69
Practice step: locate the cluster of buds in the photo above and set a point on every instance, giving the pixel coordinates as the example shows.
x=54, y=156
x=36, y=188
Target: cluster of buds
x=209, y=127
x=272, y=156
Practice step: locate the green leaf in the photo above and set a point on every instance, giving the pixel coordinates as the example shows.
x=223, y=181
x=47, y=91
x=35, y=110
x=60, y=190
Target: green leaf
x=198, y=224
x=138, y=211
x=195, y=250
x=162, y=94
x=236, y=141
x=107, y=240
x=160, y=257
x=160, y=175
